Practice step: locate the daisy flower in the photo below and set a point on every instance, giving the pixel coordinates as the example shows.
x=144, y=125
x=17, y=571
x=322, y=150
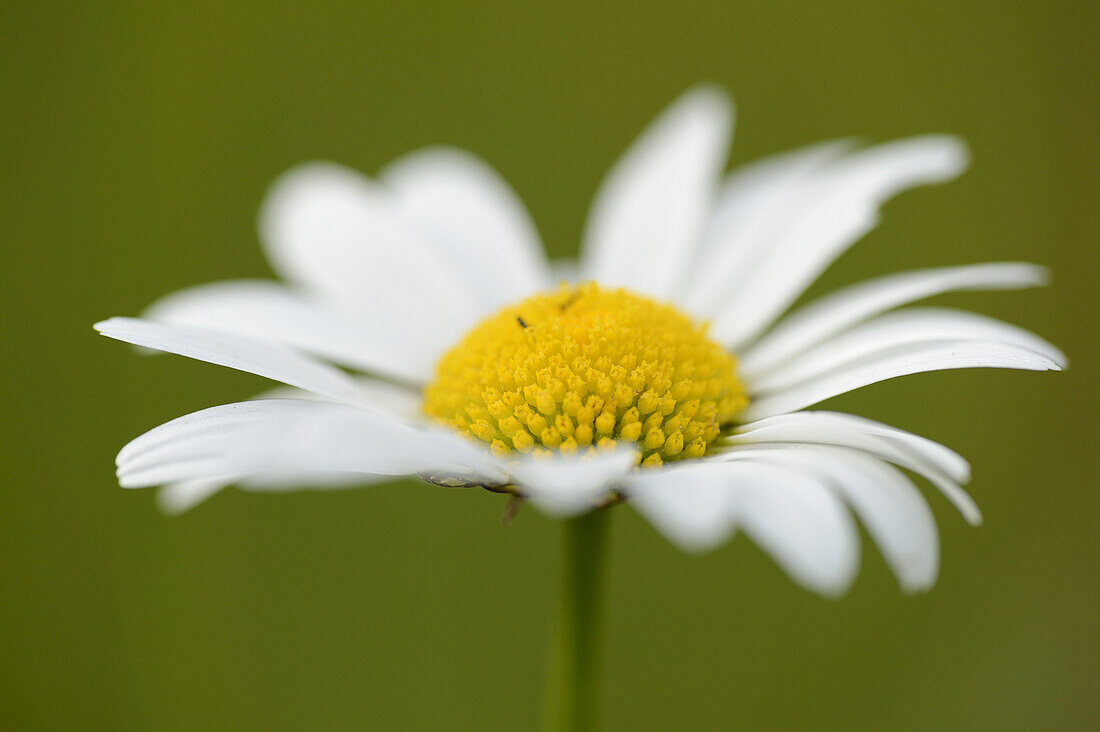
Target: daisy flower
x=422, y=331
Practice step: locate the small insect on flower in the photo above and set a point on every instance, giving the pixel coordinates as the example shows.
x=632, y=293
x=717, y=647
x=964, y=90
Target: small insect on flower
x=662, y=371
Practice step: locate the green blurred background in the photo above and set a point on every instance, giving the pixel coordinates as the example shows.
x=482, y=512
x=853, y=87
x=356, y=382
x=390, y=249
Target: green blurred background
x=137, y=143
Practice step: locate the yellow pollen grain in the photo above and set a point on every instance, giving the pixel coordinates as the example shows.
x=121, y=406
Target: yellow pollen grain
x=588, y=368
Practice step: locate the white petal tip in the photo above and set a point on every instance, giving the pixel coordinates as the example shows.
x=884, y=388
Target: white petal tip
x=706, y=108
x=689, y=536
x=915, y=588
x=177, y=498
x=561, y=509
x=569, y=485
x=312, y=170
x=1048, y=362
x=1040, y=275
x=958, y=151
x=171, y=504
x=130, y=477
x=300, y=185
x=1012, y=275
x=116, y=327
x=915, y=574
x=104, y=325
x=697, y=545
x=709, y=96
x=832, y=589
x=950, y=151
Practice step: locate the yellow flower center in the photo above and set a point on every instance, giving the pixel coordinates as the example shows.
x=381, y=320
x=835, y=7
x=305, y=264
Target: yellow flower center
x=582, y=367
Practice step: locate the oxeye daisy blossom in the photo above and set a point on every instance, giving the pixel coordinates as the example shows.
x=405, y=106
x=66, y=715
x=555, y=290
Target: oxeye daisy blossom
x=421, y=331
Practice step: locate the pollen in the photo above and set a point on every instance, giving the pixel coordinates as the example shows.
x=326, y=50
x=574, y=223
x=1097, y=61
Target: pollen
x=586, y=368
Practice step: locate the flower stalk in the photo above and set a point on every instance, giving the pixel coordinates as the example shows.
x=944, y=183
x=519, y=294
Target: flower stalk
x=575, y=655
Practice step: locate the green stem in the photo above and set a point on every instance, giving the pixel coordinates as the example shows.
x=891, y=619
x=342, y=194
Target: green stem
x=574, y=680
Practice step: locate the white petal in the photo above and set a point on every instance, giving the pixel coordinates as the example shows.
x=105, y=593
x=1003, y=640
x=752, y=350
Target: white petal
x=396, y=401
x=336, y=232
x=838, y=207
x=565, y=485
x=213, y=423
x=270, y=311
x=909, y=327
x=649, y=212
x=802, y=525
x=270, y=360
x=828, y=427
x=176, y=498
x=898, y=362
x=789, y=513
x=292, y=437
x=753, y=201
x=895, y=513
x=897, y=518
x=690, y=505
x=326, y=480
x=474, y=219
x=942, y=467
x=837, y=311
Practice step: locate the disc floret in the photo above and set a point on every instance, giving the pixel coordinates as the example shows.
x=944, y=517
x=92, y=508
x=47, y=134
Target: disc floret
x=586, y=367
